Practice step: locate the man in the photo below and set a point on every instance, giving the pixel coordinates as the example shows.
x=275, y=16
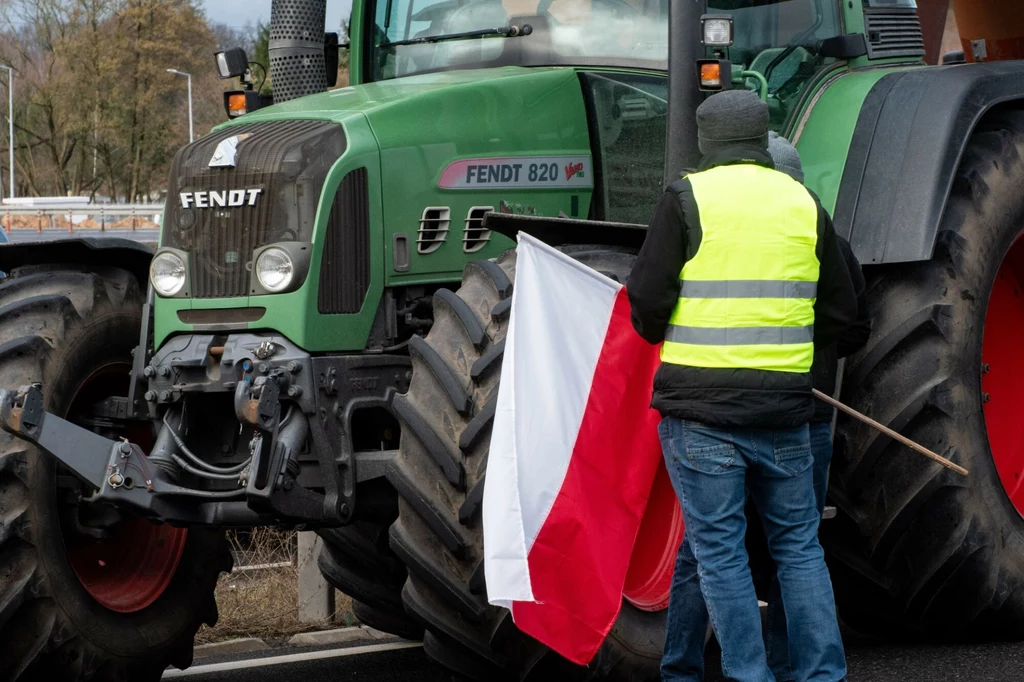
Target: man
x=691, y=616
x=824, y=372
x=729, y=279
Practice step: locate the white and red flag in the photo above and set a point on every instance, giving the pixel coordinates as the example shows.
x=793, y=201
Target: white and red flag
x=574, y=453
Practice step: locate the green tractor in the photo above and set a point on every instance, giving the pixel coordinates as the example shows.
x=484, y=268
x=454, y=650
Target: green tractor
x=316, y=342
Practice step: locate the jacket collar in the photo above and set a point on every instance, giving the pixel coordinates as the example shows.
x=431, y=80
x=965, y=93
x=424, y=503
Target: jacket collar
x=736, y=154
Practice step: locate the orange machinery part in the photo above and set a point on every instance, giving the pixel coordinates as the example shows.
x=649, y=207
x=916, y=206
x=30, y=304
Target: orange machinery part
x=1000, y=23
x=932, y=14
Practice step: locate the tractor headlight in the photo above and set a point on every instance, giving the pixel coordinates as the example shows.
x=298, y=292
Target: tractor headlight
x=275, y=269
x=717, y=30
x=168, y=273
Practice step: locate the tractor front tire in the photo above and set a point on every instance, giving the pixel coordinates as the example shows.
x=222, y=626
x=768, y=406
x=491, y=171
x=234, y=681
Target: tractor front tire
x=72, y=329
x=358, y=561
x=439, y=472
x=917, y=550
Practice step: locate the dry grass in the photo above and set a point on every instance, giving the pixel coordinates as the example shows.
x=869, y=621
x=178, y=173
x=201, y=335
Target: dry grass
x=265, y=602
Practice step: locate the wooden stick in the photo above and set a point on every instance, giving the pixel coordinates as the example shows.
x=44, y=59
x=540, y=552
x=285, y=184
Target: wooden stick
x=889, y=432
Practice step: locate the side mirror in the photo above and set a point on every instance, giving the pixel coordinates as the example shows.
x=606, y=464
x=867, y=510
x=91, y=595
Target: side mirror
x=232, y=63
x=331, y=58
x=849, y=46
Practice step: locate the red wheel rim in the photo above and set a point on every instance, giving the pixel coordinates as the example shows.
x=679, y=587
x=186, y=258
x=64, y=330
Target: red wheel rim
x=649, y=579
x=131, y=569
x=1002, y=373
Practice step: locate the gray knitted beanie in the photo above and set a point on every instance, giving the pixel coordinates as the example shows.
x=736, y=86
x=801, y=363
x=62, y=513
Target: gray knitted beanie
x=785, y=156
x=732, y=117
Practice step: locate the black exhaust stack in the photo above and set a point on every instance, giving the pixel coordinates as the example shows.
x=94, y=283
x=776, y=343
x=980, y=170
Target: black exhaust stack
x=297, y=63
x=684, y=49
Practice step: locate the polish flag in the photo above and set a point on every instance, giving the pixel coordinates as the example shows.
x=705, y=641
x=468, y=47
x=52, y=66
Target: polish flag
x=574, y=453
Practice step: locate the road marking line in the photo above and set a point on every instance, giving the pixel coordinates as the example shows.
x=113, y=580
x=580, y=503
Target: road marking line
x=289, y=658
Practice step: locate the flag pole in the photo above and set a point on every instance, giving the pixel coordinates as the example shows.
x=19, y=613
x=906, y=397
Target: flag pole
x=889, y=432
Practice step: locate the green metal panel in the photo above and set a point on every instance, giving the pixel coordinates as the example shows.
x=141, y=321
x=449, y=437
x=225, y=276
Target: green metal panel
x=824, y=135
x=853, y=15
x=510, y=112
x=165, y=317
x=358, y=48
x=295, y=314
x=537, y=113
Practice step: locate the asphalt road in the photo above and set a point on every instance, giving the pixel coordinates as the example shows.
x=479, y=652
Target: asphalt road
x=19, y=235
x=878, y=662
x=405, y=662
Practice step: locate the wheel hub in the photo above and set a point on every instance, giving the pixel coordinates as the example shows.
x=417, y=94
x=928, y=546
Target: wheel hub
x=649, y=579
x=130, y=569
x=1002, y=379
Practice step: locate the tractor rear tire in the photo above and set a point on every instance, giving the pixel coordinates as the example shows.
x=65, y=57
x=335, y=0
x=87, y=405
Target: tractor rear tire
x=62, y=326
x=917, y=550
x=439, y=472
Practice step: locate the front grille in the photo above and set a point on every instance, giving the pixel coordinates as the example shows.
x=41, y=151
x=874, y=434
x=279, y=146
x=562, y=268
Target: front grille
x=287, y=161
x=893, y=32
x=222, y=316
x=345, y=267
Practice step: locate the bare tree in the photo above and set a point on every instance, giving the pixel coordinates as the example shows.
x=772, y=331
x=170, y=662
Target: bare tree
x=96, y=110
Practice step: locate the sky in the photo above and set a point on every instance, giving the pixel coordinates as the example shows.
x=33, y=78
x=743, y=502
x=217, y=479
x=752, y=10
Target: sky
x=238, y=13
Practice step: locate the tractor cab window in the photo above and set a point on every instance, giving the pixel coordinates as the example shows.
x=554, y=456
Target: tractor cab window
x=778, y=40
x=565, y=32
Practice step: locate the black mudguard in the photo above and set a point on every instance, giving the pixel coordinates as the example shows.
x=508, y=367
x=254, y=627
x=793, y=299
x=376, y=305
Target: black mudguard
x=123, y=253
x=564, y=231
x=906, y=147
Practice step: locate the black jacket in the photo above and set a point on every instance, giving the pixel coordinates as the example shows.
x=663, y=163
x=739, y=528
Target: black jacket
x=826, y=359
x=744, y=398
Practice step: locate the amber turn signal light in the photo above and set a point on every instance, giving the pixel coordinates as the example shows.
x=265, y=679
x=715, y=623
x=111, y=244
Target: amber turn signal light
x=236, y=104
x=711, y=75
x=240, y=102
x=715, y=74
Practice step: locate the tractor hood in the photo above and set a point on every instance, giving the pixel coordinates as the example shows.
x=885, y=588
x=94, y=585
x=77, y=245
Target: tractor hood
x=505, y=110
x=339, y=104
x=425, y=156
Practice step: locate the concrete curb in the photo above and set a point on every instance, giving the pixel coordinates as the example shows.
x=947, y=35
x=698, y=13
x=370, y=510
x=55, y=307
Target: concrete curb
x=339, y=636
x=244, y=645
x=231, y=646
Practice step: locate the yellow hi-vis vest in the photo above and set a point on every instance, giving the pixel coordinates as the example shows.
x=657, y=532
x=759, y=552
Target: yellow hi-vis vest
x=746, y=298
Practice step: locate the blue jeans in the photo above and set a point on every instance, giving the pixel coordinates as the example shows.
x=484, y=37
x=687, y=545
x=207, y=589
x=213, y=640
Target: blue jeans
x=711, y=470
x=776, y=639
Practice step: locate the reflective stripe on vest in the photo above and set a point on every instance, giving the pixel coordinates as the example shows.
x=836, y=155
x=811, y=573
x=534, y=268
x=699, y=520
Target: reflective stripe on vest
x=746, y=298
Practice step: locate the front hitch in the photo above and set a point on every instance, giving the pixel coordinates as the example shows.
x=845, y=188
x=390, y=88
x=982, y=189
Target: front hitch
x=122, y=474
x=118, y=469
x=96, y=460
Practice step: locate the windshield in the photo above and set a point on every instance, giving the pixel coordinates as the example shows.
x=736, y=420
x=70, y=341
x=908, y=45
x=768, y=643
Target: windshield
x=577, y=32
x=779, y=41
x=776, y=38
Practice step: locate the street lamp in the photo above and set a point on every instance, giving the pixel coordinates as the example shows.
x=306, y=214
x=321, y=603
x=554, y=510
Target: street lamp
x=10, y=118
x=191, y=135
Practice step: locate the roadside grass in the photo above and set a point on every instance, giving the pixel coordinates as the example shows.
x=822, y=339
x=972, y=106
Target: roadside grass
x=262, y=599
